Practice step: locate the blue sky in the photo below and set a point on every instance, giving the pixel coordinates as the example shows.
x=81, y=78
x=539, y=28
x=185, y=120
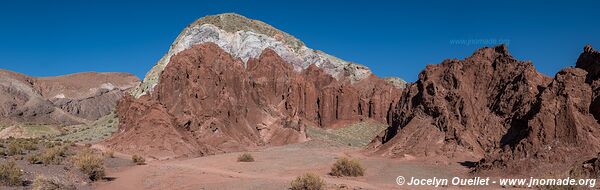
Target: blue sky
x=45, y=38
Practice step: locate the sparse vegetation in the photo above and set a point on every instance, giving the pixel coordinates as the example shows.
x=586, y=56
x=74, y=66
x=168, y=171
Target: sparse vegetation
x=52, y=155
x=28, y=144
x=308, y=181
x=10, y=174
x=20, y=146
x=358, y=135
x=93, y=132
x=45, y=183
x=52, y=144
x=39, y=131
x=138, y=160
x=14, y=148
x=246, y=157
x=109, y=154
x=347, y=167
x=90, y=164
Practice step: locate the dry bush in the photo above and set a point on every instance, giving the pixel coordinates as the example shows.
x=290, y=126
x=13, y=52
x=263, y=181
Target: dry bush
x=19, y=146
x=90, y=164
x=44, y=183
x=68, y=143
x=52, y=144
x=109, y=154
x=10, y=174
x=14, y=148
x=246, y=157
x=138, y=160
x=28, y=144
x=347, y=167
x=308, y=181
x=53, y=155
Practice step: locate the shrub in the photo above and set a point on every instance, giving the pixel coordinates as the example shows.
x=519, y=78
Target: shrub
x=19, y=146
x=308, y=181
x=246, y=157
x=139, y=160
x=29, y=144
x=10, y=174
x=14, y=148
x=51, y=144
x=347, y=167
x=69, y=143
x=109, y=153
x=90, y=164
x=53, y=155
x=44, y=183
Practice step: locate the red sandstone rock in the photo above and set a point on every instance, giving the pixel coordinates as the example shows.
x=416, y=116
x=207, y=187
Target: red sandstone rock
x=560, y=131
x=211, y=103
x=589, y=60
x=493, y=107
x=461, y=105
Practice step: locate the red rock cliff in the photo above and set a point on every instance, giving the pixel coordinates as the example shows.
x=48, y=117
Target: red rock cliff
x=211, y=103
x=494, y=107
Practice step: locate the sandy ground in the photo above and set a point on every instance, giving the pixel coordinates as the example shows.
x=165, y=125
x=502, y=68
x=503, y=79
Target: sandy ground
x=274, y=168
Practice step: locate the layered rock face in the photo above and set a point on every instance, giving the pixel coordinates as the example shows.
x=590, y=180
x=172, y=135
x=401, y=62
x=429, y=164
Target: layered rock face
x=208, y=101
x=493, y=107
x=461, y=105
x=245, y=39
x=230, y=83
x=66, y=100
x=561, y=128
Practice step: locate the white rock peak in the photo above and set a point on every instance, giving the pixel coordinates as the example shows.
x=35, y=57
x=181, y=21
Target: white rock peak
x=245, y=38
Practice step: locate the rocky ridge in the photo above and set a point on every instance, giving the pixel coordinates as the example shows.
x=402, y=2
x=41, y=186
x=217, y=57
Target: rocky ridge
x=63, y=100
x=245, y=38
x=493, y=107
x=208, y=102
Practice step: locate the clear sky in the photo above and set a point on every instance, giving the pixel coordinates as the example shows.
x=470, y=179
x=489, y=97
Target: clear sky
x=45, y=38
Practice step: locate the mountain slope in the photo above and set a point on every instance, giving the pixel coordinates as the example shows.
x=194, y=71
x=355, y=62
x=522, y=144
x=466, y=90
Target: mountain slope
x=561, y=129
x=493, y=107
x=209, y=102
x=64, y=100
x=245, y=38
x=229, y=83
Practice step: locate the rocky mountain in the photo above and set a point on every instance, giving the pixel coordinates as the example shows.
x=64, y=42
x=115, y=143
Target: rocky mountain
x=245, y=38
x=230, y=83
x=499, y=109
x=63, y=100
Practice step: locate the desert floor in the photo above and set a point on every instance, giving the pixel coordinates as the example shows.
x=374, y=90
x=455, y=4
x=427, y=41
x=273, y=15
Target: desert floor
x=275, y=168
